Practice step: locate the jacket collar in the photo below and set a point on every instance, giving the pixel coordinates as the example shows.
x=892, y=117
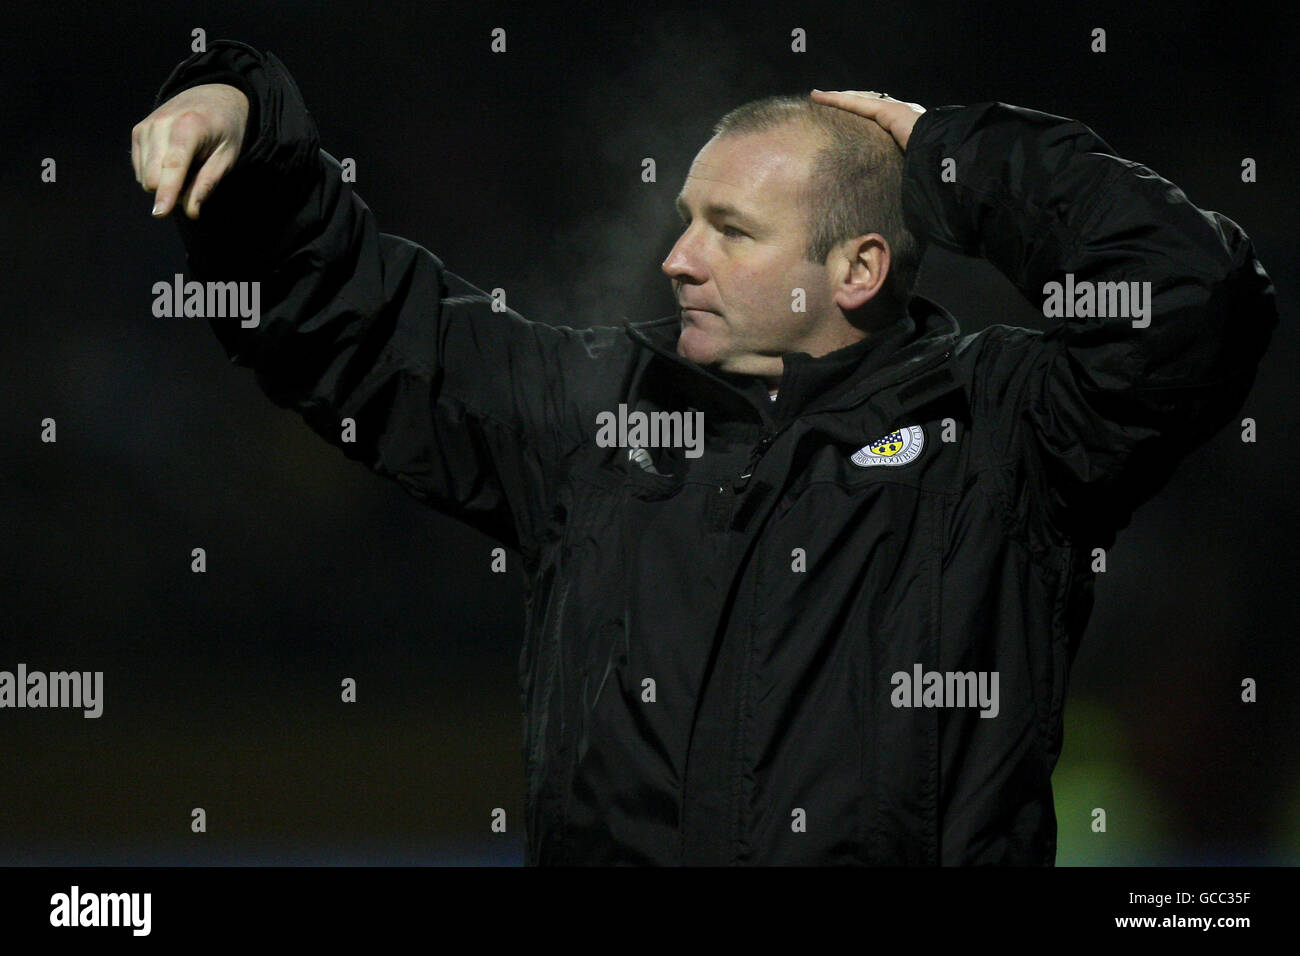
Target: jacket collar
x=903, y=368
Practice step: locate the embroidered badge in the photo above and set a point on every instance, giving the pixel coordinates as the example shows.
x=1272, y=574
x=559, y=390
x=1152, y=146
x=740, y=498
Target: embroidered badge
x=896, y=448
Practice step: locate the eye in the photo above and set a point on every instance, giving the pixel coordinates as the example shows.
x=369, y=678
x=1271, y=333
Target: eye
x=731, y=230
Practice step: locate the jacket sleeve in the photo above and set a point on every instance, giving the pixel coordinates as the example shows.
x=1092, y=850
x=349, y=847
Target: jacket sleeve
x=471, y=410
x=1097, y=410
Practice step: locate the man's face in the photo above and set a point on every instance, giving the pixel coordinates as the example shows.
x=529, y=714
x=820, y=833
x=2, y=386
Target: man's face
x=741, y=255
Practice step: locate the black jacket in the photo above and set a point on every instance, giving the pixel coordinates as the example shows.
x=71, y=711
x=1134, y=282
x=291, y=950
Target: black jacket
x=928, y=499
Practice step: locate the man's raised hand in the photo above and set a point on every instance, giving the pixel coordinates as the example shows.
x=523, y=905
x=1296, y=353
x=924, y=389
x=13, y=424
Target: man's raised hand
x=183, y=148
x=895, y=116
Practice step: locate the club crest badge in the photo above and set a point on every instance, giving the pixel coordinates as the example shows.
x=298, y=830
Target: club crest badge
x=897, y=448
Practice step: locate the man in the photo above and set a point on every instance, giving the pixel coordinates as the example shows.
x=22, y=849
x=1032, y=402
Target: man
x=838, y=629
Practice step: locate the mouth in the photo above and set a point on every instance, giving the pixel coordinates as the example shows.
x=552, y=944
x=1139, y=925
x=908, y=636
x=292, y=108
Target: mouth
x=691, y=314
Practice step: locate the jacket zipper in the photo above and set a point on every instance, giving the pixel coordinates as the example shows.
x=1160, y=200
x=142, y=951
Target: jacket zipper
x=759, y=451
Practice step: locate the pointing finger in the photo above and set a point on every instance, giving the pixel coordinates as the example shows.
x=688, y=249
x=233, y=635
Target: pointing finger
x=174, y=161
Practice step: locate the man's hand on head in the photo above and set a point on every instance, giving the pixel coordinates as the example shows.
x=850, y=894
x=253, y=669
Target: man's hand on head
x=896, y=117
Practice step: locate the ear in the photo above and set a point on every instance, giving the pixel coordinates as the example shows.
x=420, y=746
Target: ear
x=860, y=266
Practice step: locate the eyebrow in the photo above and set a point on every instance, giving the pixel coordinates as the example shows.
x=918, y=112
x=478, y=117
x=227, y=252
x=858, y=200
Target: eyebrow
x=714, y=209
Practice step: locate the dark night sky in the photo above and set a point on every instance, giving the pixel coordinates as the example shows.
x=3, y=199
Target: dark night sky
x=523, y=171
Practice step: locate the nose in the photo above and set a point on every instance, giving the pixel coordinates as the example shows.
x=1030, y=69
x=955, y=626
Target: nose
x=682, y=263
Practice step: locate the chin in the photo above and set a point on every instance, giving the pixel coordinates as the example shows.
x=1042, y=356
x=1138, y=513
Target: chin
x=697, y=346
